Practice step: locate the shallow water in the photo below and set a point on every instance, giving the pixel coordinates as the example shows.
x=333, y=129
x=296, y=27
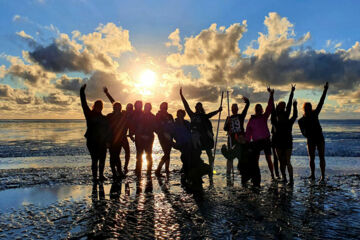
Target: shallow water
x=160, y=208
x=46, y=192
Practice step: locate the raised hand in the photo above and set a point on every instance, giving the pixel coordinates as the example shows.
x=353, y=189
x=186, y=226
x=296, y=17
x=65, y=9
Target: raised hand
x=105, y=90
x=295, y=103
x=268, y=88
x=220, y=109
x=293, y=87
x=181, y=91
x=83, y=87
x=326, y=86
x=245, y=99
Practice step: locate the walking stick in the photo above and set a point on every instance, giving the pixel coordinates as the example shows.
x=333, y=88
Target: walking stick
x=217, y=131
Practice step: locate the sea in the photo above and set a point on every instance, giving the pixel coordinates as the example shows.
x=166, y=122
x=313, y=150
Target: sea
x=46, y=191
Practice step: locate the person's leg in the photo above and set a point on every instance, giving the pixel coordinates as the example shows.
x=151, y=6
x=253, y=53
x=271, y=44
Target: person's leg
x=209, y=153
x=280, y=152
x=289, y=166
x=321, y=151
x=311, y=151
x=148, y=151
x=94, y=159
x=139, y=151
x=102, y=157
x=125, y=145
x=112, y=161
x=167, y=157
x=276, y=162
x=267, y=151
x=118, y=162
x=163, y=158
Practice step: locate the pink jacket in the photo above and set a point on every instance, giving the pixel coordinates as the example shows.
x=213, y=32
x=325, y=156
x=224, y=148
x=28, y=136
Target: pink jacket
x=257, y=128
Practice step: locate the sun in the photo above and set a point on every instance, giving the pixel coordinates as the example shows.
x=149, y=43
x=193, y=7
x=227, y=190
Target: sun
x=147, y=78
x=146, y=82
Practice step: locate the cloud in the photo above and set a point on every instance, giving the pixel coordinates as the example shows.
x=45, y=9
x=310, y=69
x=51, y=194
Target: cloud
x=200, y=92
x=174, y=38
x=27, y=38
x=33, y=75
x=212, y=49
x=253, y=95
x=19, y=96
x=70, y=85
x=94, y=53
x=59, y=99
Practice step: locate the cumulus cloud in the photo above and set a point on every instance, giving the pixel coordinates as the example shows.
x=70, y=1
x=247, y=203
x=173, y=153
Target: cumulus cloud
x=33, y=75
x=174, y=38
x=58, y=98
x=213, y=49
x=70, y=84
x=28, y=38
x=276, y=62
x=94, y=53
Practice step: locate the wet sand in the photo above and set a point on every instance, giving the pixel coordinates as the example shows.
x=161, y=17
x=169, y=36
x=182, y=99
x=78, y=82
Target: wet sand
x=58, y=203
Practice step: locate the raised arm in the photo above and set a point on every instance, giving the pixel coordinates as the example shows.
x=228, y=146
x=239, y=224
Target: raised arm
x=289, y=103
x=295, y=112
x=322, y=99
x=84, y=104
x=108, y=95
x=210, y=115
x=270, y=105
x=186, y=105
x=247, y=104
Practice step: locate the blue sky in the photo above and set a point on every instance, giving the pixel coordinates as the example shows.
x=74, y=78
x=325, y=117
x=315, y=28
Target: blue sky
x=332, y=24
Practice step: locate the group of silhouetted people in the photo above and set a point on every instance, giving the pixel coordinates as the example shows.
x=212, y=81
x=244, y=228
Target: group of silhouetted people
x=191, y=138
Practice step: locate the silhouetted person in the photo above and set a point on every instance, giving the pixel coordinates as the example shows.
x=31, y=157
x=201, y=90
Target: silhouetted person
x=234, y=126
x=310, y=127
x=97, y=134
x=164, y=122
x=201, y=127
x=144, y=126
x=128, y=115
x=181, y=133
x=257, y=130
x=118, y=126
x=282, y=134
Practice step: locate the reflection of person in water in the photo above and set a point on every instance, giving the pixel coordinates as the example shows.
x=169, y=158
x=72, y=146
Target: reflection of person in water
x=164, y=121
x=144, y=128
x=118, y=126
x=201, y=127
x=311, y=129
x=257, y=130
x=97, y=134
x=282, y=134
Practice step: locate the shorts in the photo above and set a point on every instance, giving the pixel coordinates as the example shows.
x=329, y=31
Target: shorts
x=263, y=144
x=316, y=140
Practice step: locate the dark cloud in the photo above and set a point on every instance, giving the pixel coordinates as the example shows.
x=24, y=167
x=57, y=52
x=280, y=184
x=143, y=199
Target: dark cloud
x=249, y=92
x=202, y=93
x=70, y=85
x=62, y=58
x=309, y=67
x=58, y=99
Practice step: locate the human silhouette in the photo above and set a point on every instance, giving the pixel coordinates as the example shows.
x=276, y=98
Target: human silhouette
x=164, y=122
x=128, y=115
x=181, y=133
x=118, y=126
x=234, y=126
x=97, y=134
x=257, y=130
x=282, y=134
x=201, y=127
x=311, y=129
x=143, y=127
